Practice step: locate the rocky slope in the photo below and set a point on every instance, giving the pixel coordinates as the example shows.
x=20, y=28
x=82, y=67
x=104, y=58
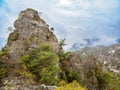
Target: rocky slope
x=19, y=83
x=96, y=68
x=30, y=31
x=109, y=56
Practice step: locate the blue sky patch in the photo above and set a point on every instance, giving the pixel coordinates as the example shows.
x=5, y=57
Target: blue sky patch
x=1, y=3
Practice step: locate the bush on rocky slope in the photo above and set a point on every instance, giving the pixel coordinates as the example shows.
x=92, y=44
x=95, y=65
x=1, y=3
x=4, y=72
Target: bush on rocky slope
x=108, y=81
x=43, y=63
x=71, y=86
x=3, y=71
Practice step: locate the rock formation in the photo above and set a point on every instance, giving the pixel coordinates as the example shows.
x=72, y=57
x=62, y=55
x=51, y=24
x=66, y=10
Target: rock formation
x=30, y=31
x=109, y=56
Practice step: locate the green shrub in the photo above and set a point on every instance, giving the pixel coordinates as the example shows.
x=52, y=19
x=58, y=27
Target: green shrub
x=64, y=65
x=4, y=51
x=3, y=72
x=13, y=36
x=42, y=62
x=63, y=55
x=71, y=76
x=71, y=86
x=67, y=74
x=4, y=54
x=108, y=81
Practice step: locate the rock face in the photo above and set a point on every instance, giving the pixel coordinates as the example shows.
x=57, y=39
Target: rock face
x=18, y=83
x=92, y=64
x=30, y=31
x=86, y=70
x=109, y=56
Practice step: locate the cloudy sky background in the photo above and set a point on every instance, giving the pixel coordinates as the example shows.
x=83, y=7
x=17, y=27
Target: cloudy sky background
x=74, y=20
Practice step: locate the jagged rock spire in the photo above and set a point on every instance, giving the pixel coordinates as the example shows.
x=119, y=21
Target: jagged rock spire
x=30, y=31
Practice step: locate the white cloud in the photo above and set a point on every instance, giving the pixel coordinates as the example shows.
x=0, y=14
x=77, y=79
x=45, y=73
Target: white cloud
x=72, y=13
x=64, y=3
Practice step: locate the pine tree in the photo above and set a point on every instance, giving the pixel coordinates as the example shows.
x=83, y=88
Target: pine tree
x=43, y=63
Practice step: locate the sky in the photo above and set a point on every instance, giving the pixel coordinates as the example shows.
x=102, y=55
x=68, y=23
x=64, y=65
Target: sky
x=74, y=20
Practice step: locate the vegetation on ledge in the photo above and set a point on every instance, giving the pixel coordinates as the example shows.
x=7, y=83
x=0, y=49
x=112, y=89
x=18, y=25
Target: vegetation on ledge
x=43, y=63
x=71, y=86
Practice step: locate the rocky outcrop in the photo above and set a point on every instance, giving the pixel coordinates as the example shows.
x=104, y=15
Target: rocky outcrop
x=30, y=31
x=18, y=83
x=84, y=70
x=109, y=56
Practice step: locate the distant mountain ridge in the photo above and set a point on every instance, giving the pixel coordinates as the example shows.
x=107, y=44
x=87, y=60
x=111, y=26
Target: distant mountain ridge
x=89, y=42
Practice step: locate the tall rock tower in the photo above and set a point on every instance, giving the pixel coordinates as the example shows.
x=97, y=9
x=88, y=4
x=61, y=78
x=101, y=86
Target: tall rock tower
x=30, y=31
